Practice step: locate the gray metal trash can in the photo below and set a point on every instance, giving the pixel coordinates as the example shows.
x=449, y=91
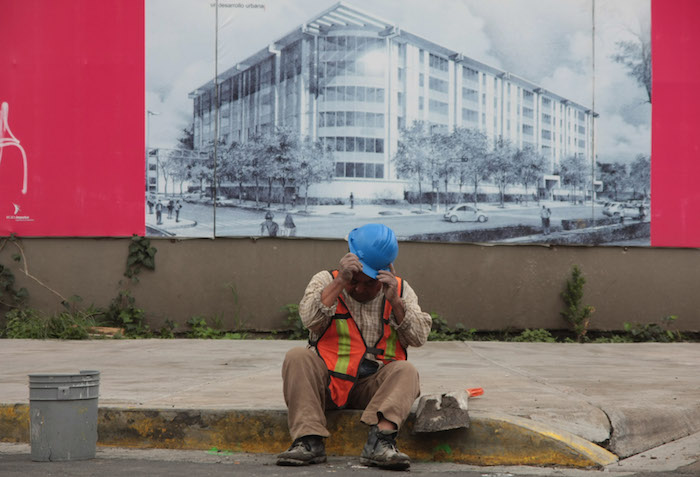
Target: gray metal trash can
x=63, y=415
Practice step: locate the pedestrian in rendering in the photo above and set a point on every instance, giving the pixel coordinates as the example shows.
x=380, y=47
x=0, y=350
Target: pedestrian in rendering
x=159, y=212
x=545, y=215
x=352, y=201
x=361, y=318
x=171, y=206
x=178, y=206
x=150, y=203
x=290, y=228
x=269, y=227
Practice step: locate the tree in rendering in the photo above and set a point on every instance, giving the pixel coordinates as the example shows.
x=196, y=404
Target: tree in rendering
x=443, y=164
x=469, y=151
x=280, y=147
x=165, y=164
x=529, y=167
x=254, y=167
x=635, y=56
x=502, y=165
x=575, y=172
x=640, y=175
x=180, y=162
x=234, y=168
x=182, y=157
x=314, y=164
x=614, y=177
x=414, y=155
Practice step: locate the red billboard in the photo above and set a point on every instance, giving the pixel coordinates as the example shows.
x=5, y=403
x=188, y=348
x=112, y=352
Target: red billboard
x=72, y=123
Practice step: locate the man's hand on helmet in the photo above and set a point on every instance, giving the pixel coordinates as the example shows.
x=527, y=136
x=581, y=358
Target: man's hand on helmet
x=349, y=265
x=389, y=283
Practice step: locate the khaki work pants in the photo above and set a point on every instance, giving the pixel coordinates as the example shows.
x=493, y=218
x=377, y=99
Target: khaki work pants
x=390, y=391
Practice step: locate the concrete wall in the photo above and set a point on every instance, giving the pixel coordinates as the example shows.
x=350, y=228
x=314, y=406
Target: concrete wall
x=484, y=287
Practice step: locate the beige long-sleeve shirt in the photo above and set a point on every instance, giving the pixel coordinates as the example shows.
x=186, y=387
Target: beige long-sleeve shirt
x=413, y=330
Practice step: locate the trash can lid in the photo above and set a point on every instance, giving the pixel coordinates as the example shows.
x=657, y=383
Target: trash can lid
x=84, y=377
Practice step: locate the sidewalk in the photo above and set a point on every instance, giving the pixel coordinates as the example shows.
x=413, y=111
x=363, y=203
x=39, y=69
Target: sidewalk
x=168, y=226
x=543, y=403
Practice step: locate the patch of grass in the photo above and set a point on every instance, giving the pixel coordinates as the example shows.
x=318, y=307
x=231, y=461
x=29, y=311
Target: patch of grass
x=661, y=333
x=123, y=313
x=30, y=324
x=614, y=338
x=440, y=330
x=535, y=336
x=167, y=331
x=200, y=328
x=298, y=332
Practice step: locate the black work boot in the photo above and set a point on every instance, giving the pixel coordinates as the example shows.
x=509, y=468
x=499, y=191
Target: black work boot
x=380, y=450
x=304, y=451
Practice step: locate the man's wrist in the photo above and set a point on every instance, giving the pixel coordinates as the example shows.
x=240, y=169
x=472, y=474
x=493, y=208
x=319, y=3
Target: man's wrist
x=398, y=310
x=330, y=293
x=396, y=303
x=340, y=280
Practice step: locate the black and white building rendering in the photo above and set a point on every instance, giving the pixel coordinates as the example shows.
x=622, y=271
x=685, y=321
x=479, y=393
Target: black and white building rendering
x=354, y=81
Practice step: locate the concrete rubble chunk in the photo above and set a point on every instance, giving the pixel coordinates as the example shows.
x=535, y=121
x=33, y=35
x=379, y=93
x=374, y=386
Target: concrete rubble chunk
x=442, y=412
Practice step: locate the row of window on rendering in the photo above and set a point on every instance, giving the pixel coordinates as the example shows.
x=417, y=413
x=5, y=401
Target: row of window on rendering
x=365, y=170
x=241, y=85
x=350, y=43
x=353, y=93
x=351, y=118
x=354, y=144
x=332, y=69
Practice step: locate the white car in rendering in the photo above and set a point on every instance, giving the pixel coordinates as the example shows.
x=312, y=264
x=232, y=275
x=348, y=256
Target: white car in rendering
x=465, y=213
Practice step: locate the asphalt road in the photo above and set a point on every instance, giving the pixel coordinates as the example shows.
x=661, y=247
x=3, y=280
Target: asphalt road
x=234, y=221
x=15, y=461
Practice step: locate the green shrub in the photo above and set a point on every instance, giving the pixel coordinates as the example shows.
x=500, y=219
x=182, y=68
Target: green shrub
x=535, y=336
x=576, y=314
x=25, y=324
x=167, y=331
x=200, y=329
x=123, y=313
x=30, y=324
x=9, y=296
x=237, y=335
x=613, y=339
x=638, y=332
x=440, y=330
x=298, y=332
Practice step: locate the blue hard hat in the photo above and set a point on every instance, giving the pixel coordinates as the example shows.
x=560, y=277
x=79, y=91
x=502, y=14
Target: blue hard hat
x=376, y=247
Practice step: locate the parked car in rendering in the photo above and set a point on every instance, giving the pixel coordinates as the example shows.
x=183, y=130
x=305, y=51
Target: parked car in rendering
x=465, y=213
x=626, y=210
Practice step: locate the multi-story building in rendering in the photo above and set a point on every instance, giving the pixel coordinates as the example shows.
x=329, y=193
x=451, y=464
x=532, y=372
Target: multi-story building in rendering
x=354, y=81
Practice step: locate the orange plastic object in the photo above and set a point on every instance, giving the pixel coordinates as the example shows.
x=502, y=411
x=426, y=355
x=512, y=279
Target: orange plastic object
x=472, y=392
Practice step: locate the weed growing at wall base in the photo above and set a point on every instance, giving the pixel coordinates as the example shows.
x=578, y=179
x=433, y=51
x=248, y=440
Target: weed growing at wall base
x=30, y=324
x=537, y=336
x=440, y=331
x=200, y=329
x=576, y=313
x=298, y=332
x=654, y=331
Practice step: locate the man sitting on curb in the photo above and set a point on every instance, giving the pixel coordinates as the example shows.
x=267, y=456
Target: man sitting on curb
x=361, y=319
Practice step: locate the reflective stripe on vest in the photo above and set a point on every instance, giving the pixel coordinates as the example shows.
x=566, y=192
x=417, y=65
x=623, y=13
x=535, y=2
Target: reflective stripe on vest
x=342, y=348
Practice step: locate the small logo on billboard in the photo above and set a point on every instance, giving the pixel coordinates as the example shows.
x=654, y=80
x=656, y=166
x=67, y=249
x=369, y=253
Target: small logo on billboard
x=16, y=215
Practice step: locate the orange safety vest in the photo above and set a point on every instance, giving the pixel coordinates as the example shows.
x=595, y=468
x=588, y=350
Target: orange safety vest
x=342, y=347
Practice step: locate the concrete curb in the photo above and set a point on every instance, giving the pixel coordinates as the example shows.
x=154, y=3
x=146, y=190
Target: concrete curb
x=491, y=439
